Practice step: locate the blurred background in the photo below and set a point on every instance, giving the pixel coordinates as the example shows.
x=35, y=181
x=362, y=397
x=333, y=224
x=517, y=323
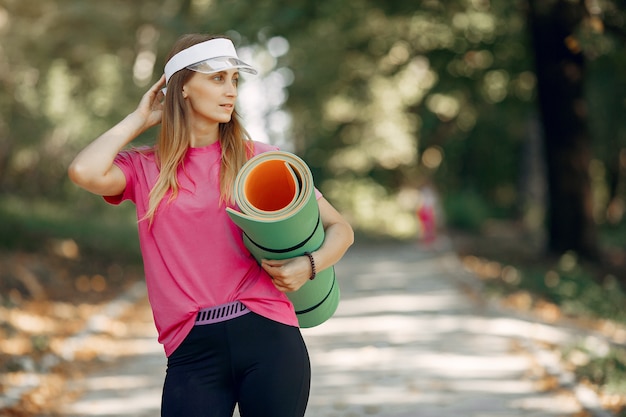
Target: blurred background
x=504, y=110
x=497, y=123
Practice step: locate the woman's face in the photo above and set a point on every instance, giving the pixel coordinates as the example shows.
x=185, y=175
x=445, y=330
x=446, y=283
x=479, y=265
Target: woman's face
x=211, y=97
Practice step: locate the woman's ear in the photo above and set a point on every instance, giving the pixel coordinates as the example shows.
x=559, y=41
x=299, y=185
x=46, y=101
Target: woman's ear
x=184, y=93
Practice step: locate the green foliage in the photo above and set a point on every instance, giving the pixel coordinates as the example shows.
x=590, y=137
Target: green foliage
x=602, y=365
x=614, y=235
x=608, y=371
x=34, y=225
x=571, y=285
x=579, y=295
x=465, y=210
x=371, y=89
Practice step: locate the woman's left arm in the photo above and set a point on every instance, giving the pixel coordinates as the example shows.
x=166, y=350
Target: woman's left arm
x=290, y=274
x=338, y=236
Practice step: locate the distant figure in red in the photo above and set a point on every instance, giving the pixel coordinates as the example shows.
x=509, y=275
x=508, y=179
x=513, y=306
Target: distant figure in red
x=426, y=214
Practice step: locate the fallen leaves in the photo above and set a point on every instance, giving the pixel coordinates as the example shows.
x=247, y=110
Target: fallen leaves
x=46, y=299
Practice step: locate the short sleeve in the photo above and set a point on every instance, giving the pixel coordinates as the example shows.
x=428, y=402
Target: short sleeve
x=125, y=161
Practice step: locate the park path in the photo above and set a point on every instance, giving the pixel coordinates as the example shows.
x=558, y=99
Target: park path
x=411, y=338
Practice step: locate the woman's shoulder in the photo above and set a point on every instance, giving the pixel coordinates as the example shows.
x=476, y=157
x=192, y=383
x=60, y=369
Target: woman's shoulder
x=136, y=152
x=136, y=156
x=261, y=147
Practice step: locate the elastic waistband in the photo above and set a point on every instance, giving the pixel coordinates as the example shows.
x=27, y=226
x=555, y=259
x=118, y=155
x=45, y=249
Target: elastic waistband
x=221, y=313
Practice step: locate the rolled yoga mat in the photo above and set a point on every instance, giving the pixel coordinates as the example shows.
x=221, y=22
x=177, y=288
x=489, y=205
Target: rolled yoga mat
x=280, y=219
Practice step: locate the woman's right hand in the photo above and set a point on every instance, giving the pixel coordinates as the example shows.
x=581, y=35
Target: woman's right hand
x=150, y=108
x=93, y=168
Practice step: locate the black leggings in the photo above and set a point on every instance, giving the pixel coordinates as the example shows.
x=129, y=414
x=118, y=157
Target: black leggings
x=258, y=363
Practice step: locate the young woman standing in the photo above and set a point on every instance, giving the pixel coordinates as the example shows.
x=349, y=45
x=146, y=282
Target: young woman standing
x=229, y=331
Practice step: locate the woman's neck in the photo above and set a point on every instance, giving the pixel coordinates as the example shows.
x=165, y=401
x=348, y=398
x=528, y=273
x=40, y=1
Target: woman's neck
x=206, y=135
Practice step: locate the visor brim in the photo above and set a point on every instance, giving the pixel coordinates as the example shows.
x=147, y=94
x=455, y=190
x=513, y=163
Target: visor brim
x=218, y=64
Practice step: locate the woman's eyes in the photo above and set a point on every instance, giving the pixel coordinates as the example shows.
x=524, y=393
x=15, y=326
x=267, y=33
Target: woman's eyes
x=221, y=78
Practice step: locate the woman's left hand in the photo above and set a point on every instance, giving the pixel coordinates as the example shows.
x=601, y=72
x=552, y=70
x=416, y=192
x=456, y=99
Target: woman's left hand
x=288, y=275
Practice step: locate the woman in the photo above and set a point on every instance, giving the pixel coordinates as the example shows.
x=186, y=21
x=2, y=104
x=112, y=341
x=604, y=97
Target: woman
x=229, y=332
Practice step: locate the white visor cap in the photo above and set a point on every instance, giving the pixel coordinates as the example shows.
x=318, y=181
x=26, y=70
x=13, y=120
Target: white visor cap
x=207, y=57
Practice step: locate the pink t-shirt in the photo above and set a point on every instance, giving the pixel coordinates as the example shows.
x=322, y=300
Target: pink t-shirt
x=193, y=254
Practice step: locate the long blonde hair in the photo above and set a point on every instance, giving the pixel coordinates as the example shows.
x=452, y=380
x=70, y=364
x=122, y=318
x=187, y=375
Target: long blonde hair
x=174, y=138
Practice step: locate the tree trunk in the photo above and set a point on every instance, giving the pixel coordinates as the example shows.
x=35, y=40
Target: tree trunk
x=560, y=70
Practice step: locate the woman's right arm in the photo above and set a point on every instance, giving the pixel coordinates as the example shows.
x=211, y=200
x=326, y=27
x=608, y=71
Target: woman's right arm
x=93, y=168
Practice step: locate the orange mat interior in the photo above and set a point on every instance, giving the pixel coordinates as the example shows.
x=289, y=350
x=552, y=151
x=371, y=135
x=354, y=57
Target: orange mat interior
x=270, y=186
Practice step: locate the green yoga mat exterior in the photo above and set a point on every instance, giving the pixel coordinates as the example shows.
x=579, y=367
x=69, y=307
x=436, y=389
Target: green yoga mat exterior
x=280, y=219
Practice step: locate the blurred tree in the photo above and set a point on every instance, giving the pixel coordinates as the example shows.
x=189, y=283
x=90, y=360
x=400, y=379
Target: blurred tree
x=64, y=80
x=561, y=73
x=567, y=37
x=603, y=40
x=379, y=97
x=386, y=95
